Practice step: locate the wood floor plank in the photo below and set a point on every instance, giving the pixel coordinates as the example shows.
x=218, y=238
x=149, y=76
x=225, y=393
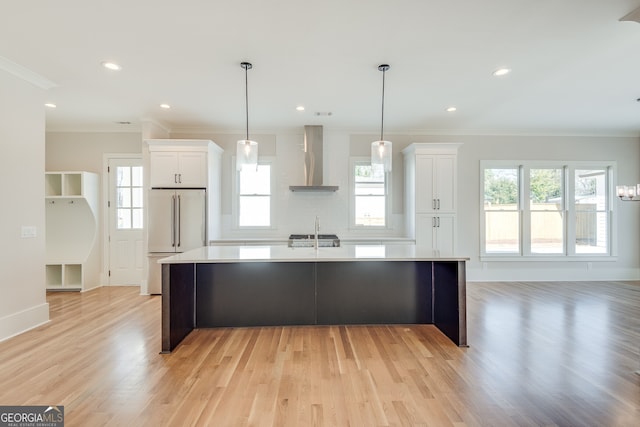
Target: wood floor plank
x=541, y=353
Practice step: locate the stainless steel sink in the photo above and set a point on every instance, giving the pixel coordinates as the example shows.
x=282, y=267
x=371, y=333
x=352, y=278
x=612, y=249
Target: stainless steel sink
x=308, y=241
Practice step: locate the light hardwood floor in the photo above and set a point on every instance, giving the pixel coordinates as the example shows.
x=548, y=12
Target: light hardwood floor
x=540, y=354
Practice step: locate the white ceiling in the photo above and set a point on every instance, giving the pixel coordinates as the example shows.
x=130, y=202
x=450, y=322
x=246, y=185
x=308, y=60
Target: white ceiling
x=576, y=67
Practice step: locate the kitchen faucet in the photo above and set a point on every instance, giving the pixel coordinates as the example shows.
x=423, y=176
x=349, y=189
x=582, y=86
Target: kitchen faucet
x=317, y=228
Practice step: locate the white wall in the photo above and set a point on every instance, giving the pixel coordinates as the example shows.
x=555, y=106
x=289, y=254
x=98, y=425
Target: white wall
x=295, y=211
x=22, y=260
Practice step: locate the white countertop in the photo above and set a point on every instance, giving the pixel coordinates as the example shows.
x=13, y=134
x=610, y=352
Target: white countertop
x=279, y=253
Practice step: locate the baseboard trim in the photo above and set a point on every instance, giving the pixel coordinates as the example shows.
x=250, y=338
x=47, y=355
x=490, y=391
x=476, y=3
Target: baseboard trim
x=22, y=321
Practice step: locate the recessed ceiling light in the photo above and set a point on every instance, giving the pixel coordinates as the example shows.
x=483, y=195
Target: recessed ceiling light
x=451, y=109
x=50, y=105
x=501, y=72
x=165, y=106
x=300, y=108
x=111, y=66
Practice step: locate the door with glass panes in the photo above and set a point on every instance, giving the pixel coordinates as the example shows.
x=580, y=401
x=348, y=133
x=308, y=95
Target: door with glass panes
x=126, y=221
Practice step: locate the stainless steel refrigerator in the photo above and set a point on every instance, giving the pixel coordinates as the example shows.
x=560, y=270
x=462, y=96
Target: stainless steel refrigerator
x=177, y=223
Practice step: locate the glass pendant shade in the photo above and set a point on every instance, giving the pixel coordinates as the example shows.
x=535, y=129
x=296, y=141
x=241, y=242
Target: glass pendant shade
x=246, y=154
x=381, y=154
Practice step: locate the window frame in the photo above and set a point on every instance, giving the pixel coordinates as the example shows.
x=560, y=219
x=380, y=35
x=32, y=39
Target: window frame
x=569, y=219
x=366, y=161
x=268, y=161
x=130, y=209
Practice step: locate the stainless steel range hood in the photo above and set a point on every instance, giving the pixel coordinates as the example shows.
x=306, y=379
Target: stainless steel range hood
x=313, y=162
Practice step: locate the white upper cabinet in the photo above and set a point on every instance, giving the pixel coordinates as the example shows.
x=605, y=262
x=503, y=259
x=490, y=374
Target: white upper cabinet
x=178, y=169
x=435, y=183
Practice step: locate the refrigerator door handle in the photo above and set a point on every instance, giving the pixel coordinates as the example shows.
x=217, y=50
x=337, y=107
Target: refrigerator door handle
x=173, y=221
x=178, y=222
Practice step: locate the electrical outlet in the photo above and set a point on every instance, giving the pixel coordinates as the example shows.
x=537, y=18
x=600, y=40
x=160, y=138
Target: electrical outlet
x=589, y=265
x=28, y=232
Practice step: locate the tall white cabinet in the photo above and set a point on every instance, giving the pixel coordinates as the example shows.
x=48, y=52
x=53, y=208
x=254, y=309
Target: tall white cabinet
x=71, y=211
x=431, y=195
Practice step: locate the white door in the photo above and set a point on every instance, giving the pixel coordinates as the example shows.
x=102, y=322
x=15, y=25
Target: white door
x=126, y=221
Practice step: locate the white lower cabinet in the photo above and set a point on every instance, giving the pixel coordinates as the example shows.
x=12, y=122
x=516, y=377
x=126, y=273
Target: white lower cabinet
x=437, y=232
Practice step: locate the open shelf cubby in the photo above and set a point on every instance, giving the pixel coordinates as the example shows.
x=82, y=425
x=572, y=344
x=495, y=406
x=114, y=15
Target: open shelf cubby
x=71, y=213
x=54, y=275
x=53, y=184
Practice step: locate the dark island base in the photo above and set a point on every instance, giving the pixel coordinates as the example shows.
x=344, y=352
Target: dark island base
x=210, y=295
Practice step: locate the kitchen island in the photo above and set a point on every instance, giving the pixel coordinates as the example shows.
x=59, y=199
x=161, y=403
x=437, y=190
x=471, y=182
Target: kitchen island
x=243, y=286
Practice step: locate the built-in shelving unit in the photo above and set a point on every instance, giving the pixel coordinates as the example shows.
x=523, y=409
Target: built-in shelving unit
x=72, y=260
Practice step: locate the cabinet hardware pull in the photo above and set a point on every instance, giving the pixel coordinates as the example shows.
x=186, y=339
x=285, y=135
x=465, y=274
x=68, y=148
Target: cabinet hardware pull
x=438, y=204
x=179, y=221
x=173, y=221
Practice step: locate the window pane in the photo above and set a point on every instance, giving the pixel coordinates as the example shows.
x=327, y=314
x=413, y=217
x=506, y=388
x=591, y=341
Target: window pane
x=255, y=211
x=136, y=194
x=502, y=232
x=501, y=189
x=136, y=176
x=369, y=173
x=545, y=189
x=123, y=176
x=124, y=218
x=591, y=232
x=370, y=210
x=370, y=188
x=591, y=211
x=254, y=181
x=136, y=215
x=591, y=188
x=547, y=232
x=124, y=198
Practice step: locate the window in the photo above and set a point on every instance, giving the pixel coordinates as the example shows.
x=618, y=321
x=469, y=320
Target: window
x=369, y=194
x=567, y=209
x=254, y=196
x=592, y=217
x=129, y=197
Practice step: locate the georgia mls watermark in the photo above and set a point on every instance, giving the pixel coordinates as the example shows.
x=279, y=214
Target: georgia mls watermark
x=31, y=416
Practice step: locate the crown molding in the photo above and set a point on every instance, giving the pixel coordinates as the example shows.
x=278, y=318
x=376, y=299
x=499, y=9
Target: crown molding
x=26, y=74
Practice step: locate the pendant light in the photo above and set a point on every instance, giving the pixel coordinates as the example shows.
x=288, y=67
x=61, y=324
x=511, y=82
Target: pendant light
x=381, y=149
x=247, y=150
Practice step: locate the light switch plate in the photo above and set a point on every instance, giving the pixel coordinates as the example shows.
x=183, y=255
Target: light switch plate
x=28, y=231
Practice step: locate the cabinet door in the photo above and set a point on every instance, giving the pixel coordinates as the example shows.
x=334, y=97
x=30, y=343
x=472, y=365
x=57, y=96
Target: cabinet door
x=163, y=169
x=425, y=231
x=425, y=197
x=192, y=169
x=445, y=183
x=436, y=232
x=445, y=234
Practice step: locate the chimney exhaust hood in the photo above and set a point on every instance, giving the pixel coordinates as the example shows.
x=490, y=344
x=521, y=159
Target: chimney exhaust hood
x=313, y=162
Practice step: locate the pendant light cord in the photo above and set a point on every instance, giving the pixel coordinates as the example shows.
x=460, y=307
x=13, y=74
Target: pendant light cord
x=246, y=97
x=383, y=68
x=382, y=120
